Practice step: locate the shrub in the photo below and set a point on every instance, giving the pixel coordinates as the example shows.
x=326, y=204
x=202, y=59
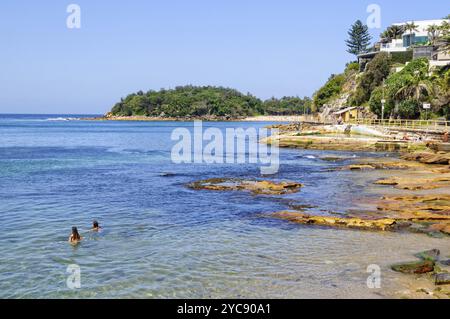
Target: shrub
x=375, y=103
x=331, y=89
x=402, y=57
x=409, y=109
x=376, y=71
x=352, y=67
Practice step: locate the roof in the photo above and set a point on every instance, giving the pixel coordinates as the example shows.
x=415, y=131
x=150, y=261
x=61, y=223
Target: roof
x=345, y=110
x=423, y=22
x=368, y=54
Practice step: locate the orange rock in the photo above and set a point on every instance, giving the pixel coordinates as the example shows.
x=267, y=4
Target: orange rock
x=357, y=223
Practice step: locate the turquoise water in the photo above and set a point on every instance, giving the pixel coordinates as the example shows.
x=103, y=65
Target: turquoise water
x=161, y=239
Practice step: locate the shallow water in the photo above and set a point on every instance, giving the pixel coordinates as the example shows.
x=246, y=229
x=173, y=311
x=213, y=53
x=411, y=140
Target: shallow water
x=163, y=240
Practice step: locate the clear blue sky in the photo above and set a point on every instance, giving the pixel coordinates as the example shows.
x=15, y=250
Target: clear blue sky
x=267, y=48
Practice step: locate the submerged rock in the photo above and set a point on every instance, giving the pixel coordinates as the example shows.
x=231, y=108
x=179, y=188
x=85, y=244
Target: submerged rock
x=361, y=167
x=253, y=186
x=167, y=174
x=442, y=279
x=333, y=159
x=432, y=255
x=421, y=267
x=445, y=262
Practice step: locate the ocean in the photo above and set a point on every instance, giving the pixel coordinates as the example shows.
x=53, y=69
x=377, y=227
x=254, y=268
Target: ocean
x=161, y=239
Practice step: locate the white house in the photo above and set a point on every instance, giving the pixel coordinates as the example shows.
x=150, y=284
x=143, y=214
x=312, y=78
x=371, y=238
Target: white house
x=408, y=38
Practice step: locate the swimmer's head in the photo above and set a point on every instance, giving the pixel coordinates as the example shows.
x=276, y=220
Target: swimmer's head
x=75, y=233
x=95, y=224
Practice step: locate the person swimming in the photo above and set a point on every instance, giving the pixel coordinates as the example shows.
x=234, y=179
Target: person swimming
x=95, y=226
x=75, y=237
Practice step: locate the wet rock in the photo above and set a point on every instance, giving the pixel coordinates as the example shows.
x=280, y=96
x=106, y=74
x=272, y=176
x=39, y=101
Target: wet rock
x=321, y=142
x=333, y=159
x=440, y=227
x=428, y=158
x=360, y=167
x=355, y=223
x=421, y=267
x=432, y=255
x=387, y=182
x=445, y=262
x=442, y=170
x=442, y=279
x=415, y=183
x=420, y=208
x=253, y=186
x=166, y=174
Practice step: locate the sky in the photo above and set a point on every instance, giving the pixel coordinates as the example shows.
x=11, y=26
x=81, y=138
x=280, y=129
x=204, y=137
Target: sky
x=268, y=48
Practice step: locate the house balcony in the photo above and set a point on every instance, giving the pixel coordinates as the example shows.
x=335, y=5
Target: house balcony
x=394, y=46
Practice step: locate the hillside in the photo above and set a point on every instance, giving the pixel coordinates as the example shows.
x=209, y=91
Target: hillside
x=205, y=101
x=405, y=87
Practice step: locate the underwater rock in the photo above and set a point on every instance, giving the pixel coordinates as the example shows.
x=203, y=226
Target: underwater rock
x=432, y=255
x=361, y=167
x=167, y=174
x=442, y=279
x=253, y=186
x=333, y=159
x=445, y=262
x=421, y=267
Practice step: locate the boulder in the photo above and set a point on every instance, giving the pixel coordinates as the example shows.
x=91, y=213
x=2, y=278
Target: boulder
x=253, y=186
x=421, y=267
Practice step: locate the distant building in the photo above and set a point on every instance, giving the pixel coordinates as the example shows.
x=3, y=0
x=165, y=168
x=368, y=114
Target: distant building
x=408, y=38
x=417, y=41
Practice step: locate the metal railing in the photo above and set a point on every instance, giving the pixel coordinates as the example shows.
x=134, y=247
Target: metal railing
x=405, y=124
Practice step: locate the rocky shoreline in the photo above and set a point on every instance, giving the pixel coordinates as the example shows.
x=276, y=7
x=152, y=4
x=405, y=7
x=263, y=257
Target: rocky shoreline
x=269, y=118
x=420, y=203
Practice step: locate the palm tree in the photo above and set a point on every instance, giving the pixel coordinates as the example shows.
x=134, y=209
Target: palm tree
x=411, y=27
x=394, y=32
x=443, y=40
x=417, y=88
x=433, y=33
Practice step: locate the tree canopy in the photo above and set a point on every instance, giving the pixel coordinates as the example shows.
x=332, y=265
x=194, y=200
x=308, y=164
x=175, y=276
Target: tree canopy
x=359, y=38
x=200, y=101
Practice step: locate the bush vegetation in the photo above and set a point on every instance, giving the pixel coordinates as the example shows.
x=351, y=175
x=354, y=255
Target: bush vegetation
x=196, y=101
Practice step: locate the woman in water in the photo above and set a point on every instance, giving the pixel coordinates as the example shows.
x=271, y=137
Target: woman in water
x=75, y=237
x=95, y=226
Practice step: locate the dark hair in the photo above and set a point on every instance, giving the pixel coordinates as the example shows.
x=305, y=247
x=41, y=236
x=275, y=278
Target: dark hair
x=95, y=223
x=75, y=233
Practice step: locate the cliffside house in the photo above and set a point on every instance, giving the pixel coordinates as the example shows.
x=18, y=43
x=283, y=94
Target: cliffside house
x=410, y=38
x=418, y=41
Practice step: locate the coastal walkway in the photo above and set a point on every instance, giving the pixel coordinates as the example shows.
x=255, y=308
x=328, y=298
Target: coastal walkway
x=426, y=126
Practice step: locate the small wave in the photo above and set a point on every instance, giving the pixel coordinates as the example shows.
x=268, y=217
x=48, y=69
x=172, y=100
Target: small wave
x=62, y=119
x=310, y=157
